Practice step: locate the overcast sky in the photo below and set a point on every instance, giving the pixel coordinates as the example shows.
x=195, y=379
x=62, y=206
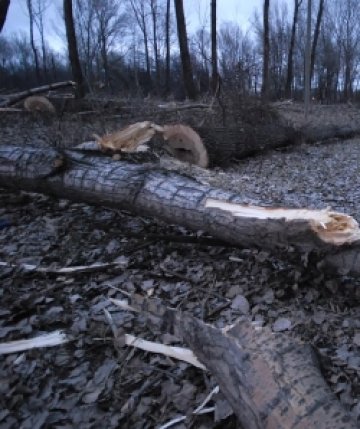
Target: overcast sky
x=196, y=12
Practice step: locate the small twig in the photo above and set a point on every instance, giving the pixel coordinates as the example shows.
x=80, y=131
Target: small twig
x=198, y=411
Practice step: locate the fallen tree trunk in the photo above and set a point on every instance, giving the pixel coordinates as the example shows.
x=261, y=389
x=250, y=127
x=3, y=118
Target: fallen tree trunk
x=270, y=380
x=148, y=190
x=15, y=98
x=210, y=146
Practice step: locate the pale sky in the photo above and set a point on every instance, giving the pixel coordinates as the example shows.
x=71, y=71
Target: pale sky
x=196, y=12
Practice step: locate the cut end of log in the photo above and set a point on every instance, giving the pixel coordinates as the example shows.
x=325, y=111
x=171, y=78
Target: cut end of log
x=186, y=145
x=129, y=139
x=37, y=103
x=331, y=227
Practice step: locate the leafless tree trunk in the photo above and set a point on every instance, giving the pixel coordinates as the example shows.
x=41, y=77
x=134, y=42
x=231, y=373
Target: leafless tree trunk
x=41, y=6
x=72, y=48
x=139, y=12
x=153, y=7
x=214, y=59
x=184, y=50
x=167, y=30
x=266, y=53
x=289, y=76
x=307, y=90
x=4, y=6
x=316, y=35
x=29, y=5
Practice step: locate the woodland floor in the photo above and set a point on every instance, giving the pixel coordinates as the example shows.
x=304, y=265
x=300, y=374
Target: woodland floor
x=90, y=382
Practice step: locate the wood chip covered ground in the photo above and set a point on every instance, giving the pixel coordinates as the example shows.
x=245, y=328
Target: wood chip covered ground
x=95, y=380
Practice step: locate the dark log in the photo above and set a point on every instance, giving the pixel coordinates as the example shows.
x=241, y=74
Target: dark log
x=149, y=190
x=211, y=146
x=15, y=98
x=270, y=380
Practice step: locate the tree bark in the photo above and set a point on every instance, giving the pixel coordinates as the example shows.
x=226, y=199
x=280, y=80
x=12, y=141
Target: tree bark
x=316, y=36
x=149, y=191
x=4, y=7
x=270, y=380
x=184, y=51
x=72, y=49
x=266, y=51
x=289, y=75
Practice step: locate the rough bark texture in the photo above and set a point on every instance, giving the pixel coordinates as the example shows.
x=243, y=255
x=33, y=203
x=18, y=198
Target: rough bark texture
x=270, y=380
x=4, y=6
x=148, y=190
x=184, y=50
x=72, y=48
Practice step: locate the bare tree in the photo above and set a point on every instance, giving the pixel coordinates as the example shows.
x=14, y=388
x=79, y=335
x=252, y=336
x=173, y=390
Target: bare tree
x=138, y=7
x=307, y=89
x=289, y=75
x=167, y=32
x=184, y=50
x=316, y=35
x=29, y=5
x=154, y=15
x=214, y=58
x=40, y=7
x=87, y=39
x=72, y=48
x=4, y=6
x=266, y=51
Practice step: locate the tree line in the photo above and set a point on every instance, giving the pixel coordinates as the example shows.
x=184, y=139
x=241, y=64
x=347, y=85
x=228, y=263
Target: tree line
x=144, y=47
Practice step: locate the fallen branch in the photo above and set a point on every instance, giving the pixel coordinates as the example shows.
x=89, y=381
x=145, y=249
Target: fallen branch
x=14, y=98
x=149, y=191
x=48, y=340
x=271, y=381
x=80, y=269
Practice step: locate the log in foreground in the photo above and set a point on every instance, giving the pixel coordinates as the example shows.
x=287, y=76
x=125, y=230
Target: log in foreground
x=146, y=189
x=271, y=381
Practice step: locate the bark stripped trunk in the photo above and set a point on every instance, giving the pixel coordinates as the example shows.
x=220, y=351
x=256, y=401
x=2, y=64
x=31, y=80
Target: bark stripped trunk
x=4, y=6
x=146, y=190
x=184, y=51
x=167, y=30
x=270, y=380
x=72, y=48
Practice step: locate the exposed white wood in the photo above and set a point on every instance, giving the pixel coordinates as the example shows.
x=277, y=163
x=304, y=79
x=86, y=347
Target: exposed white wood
x=52, y=339
x=331, y=227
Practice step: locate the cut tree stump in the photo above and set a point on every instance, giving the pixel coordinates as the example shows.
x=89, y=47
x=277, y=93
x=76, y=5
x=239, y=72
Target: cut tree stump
x=270, y=380
x=148, y=190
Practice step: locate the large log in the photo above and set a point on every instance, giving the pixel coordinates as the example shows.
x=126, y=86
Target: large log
x=270, y=380
x=12, y=99
x=210, y=146
x=148, y=190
